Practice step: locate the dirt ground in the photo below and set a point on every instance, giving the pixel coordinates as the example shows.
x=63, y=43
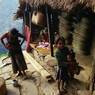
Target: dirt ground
x=36, y=85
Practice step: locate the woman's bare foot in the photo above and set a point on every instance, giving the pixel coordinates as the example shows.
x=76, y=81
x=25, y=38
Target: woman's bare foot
x=19, y=74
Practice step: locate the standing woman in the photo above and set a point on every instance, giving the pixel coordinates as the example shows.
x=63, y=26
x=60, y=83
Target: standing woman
x=13, y=44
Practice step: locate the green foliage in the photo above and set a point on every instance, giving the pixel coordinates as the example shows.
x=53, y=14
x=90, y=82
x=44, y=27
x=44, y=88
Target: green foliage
x=3, y=54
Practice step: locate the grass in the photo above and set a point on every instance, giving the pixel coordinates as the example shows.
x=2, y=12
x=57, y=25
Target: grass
x=3, y=54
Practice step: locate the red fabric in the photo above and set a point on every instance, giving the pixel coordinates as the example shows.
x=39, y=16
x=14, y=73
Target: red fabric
x=27, y=37
x=71, y=67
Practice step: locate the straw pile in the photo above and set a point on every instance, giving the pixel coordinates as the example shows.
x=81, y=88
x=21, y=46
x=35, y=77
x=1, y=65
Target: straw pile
x=83, y=37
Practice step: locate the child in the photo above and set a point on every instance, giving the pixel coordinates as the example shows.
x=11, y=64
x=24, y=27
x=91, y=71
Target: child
x=72, y=64
x=61, y=55
x=14, y=46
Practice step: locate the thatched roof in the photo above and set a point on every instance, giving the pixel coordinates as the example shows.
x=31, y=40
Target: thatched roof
x=61, y=4
x=72, y=13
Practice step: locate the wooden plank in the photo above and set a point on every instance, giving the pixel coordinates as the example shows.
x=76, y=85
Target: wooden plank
x=33, y=45
x=37, y=66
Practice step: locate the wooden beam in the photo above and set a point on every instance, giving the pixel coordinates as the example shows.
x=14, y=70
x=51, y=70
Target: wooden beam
x=45, y=74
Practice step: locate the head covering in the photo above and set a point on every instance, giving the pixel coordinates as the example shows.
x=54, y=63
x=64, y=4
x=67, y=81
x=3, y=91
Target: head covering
x=14, y=31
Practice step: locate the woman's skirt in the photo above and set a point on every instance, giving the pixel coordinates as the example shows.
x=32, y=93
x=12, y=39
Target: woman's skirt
x=18, y=62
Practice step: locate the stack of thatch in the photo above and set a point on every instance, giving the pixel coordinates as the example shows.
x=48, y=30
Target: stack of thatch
x=80, y=22
x=82, y=37
x=65, y=28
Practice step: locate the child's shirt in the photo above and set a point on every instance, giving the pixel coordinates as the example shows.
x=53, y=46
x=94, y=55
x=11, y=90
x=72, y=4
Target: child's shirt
x=61, y=55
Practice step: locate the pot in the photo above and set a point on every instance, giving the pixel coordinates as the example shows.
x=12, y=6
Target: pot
x=38, y=18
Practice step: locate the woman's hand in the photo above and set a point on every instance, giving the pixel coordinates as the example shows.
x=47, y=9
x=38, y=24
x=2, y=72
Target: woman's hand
x=8, y=46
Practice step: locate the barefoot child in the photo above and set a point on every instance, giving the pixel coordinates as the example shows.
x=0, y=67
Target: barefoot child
x=61, y=55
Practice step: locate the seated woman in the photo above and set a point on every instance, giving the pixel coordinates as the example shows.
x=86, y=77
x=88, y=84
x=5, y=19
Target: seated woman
x=44, y=36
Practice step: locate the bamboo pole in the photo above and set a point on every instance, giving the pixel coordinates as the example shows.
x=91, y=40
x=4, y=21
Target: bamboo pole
x=49, y=30
x=30, y=25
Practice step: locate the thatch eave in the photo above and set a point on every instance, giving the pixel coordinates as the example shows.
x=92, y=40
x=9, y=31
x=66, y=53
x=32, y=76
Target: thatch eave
x=61, y=4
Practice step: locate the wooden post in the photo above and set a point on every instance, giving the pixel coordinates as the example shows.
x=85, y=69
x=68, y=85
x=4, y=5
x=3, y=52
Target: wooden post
x=48, y=16
x=92, y=80
x=27, y=25
x=92, y=77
